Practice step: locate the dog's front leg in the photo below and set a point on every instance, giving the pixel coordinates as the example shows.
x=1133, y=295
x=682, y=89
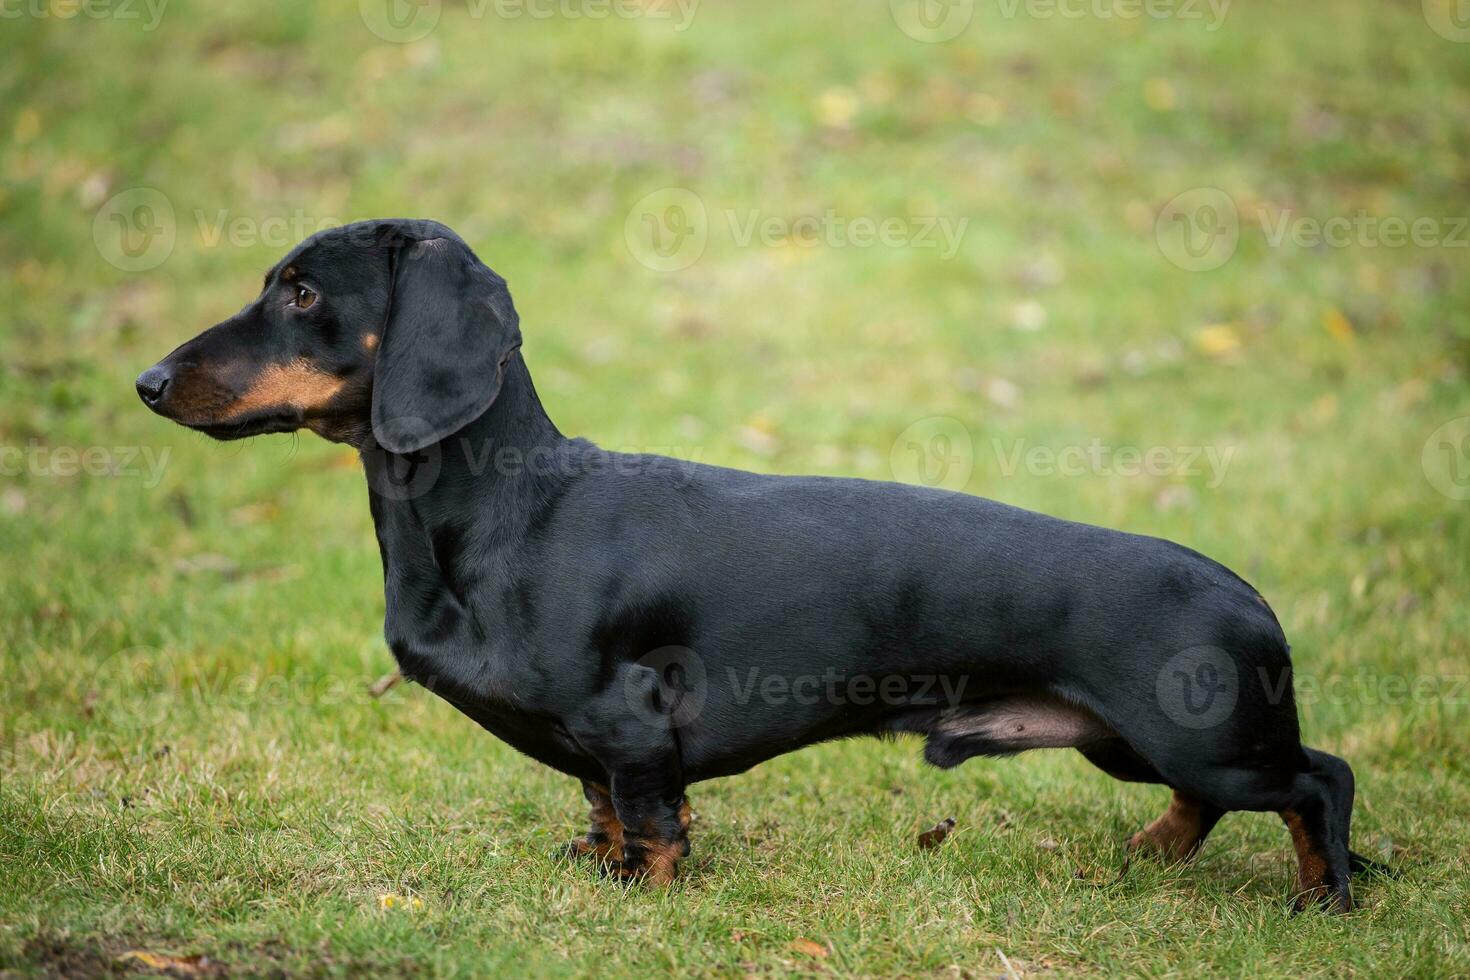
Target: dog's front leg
x=604, y=838
x=633, y=738
x=655, y=819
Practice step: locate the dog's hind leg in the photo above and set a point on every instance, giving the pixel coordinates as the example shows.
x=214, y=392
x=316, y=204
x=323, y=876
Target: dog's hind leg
x=1312, y=791
x=1319, y=819
x=1178, y=833
x=1340, y=775
x=1315, y=802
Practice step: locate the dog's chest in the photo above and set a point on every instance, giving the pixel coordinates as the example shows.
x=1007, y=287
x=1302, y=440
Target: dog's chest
x=444, y=648
x=441, y=644
x=458, y=635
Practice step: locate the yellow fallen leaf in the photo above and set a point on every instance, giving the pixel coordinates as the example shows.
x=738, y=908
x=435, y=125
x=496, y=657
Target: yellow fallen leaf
x=758, y=441
x=266, y=510
x=761, y=422
x=1158, y=94
x=192, y=966
x=837, y=107
x=346, y=460
x=985, y=109
x=1218, y=339
x=1324, y=409
x=1337, y=324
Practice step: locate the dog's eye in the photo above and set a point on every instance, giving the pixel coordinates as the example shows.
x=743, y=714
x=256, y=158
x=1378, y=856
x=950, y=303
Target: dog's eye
x=305, y=298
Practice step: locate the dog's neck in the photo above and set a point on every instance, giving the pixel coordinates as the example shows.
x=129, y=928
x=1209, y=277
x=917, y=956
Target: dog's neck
x=506, y=460
x=514, y=422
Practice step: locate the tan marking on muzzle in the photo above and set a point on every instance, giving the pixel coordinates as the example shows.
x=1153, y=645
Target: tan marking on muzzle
x=297, y=384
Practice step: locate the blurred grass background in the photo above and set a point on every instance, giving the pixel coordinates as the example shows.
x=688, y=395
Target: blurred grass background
x=191, y=764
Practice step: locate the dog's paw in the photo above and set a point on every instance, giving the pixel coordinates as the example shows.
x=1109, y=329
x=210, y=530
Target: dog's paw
x=656, y=866
x=574, y=849
x=589, y=846
x=1332, y=897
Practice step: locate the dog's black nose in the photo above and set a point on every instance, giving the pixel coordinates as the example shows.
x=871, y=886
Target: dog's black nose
x=151, y=384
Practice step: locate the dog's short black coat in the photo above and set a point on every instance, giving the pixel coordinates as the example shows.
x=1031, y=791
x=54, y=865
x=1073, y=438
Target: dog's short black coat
x=642, y=623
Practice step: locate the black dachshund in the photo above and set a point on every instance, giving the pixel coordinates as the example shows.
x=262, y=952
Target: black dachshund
x=642, y=623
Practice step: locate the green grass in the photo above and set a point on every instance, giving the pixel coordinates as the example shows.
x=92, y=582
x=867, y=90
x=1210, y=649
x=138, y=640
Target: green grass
x=191, y=763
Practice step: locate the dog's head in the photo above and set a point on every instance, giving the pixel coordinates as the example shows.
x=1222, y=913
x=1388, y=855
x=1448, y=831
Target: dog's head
x=391, y=328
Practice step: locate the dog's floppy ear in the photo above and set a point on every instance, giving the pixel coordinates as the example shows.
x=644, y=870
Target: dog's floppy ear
x=449, y=332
